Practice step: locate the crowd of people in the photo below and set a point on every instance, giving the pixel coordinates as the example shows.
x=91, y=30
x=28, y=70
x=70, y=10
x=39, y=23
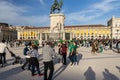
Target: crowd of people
x=65, y=48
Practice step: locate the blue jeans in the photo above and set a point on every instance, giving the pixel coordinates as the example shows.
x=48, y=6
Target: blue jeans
x=73, y=58
x=35, y=64
x=33, y=69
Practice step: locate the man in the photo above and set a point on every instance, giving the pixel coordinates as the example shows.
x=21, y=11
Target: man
x=48, y=54
x=3, y=48
x=25, y=50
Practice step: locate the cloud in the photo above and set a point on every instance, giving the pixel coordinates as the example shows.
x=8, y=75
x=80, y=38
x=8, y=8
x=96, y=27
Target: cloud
x=94, y=11
x=42, y=2
x=15, y=15
x=105, y=6
x=19, y=15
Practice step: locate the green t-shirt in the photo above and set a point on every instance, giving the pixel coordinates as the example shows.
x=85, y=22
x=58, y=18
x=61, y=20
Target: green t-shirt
x=71, y=46
x=75, y=48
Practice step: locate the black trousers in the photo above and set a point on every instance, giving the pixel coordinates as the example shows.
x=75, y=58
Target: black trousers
x=48, y=65
x=1, y=61
x=118, y=50
x=27, y=62
x=2, y=58
x=64, y=58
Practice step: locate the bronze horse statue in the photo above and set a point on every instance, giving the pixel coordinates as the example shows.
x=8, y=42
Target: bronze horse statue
x=56, y=6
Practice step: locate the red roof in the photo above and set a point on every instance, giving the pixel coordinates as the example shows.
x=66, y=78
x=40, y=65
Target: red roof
x=82, y=26
x=85, y=26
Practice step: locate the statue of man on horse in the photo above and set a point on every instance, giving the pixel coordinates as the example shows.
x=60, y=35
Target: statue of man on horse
x=56, y=6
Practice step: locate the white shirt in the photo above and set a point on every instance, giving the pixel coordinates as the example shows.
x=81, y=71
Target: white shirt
x=48, y=53
x=3, y=47
x=33, y=53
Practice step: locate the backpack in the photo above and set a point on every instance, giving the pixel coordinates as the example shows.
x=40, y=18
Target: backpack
x=118, y=46
x=25, y=50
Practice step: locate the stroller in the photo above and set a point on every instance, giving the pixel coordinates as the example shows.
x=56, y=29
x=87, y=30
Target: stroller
x=17, y=59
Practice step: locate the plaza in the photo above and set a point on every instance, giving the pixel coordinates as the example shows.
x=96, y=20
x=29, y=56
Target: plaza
x=68, y=29
x=103, y=66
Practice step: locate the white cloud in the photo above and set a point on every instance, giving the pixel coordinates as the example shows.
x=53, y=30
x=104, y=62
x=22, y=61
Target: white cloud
x=94, y=11
x=105, y=6
x=42, y=2
x=15, y=15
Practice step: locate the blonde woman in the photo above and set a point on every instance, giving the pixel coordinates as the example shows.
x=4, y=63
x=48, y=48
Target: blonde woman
x=34, y=55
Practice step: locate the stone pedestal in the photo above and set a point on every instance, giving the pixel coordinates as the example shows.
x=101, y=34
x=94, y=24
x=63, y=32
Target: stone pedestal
x=57, y=23
x=57, y=26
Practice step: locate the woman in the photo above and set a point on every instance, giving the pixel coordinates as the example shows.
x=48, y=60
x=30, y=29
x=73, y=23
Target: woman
x=64, y=52
x=74, y=54
x=34, y=60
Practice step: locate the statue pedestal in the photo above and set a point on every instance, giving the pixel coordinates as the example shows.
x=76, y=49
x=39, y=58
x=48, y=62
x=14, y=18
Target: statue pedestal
x=57, y=22
x=57, y=26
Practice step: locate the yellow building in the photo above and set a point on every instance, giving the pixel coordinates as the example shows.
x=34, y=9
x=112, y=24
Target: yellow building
x=79, y=31
x=31, y=33
x=89, y=31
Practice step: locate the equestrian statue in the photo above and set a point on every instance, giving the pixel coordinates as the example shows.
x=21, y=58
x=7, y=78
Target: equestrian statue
x=56, y=6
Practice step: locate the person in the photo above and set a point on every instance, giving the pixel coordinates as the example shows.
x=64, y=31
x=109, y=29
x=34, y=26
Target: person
x=25, y=50
x=48, y=54
x=3, y=48
x=100, y=48
x=34, y=55
x=64, y=52
x=37, y=44
x=118, y=46
x=94, y=47
x=74, y=54
x=59, y=53
x=70, y=47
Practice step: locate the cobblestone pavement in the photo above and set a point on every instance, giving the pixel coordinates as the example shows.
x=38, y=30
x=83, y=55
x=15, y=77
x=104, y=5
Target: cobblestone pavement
x=103, y=66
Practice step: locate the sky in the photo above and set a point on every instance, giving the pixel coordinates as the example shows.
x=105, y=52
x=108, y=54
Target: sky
x=77, y=12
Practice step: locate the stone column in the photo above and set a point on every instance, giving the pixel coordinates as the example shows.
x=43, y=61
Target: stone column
x=45, y=36
x=40, y=40
x=18, y=35
x=70, y=36
x=63, y=35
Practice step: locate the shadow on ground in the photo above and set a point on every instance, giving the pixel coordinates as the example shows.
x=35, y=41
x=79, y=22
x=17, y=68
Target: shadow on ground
x=10, y=72
x=60, y=70
x=109, y=76
x=118, y=68
x=89, y=74
x=79, y=56
x=63, y=67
